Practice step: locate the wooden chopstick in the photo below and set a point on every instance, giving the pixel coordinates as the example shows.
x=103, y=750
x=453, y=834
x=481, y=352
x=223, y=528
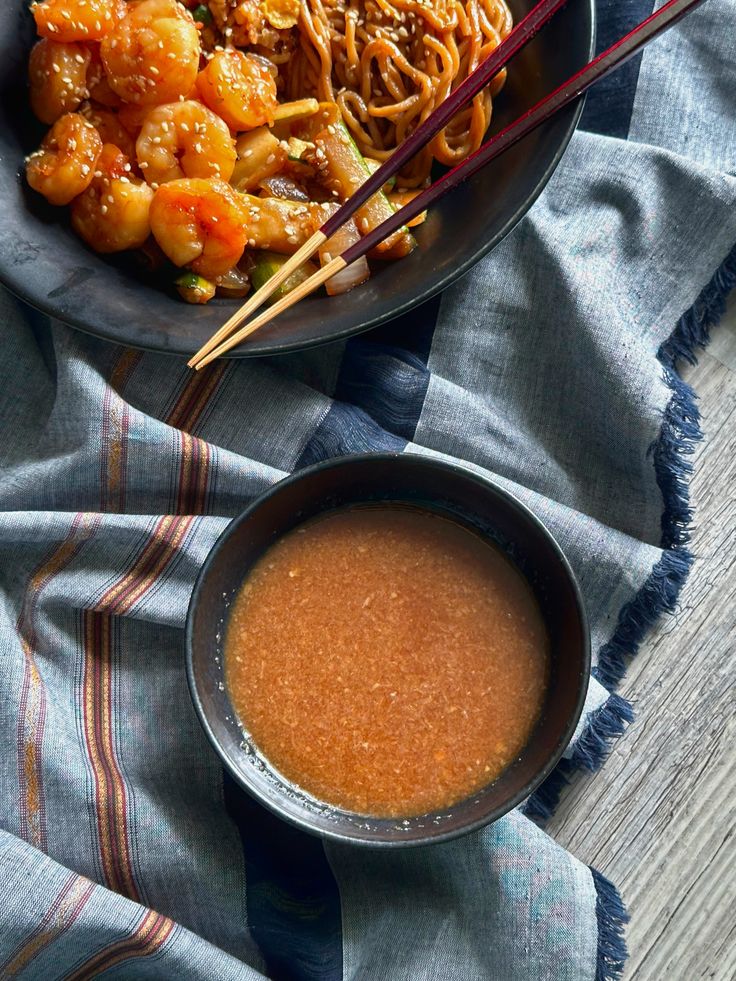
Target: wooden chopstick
x=521, y=34
x=606, y=62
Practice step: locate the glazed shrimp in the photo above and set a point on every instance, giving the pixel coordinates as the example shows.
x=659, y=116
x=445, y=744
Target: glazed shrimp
x=76, y=20
x=239, y=88
x=184, y=139
x=132, y=117
x=110, y=128
x=97, y=83
x=112, y=215
x=58, y=77
x=199, y=223
x=65, y=164
x=152, y=55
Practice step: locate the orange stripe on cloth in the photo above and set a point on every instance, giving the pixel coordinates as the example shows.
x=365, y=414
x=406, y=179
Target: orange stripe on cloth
x=195, y=453
x=114, y=433
x=99, y=632
x=147, y=938
x=109, y=783
x=194, y=397
x=62, y=913
x=99, y=624
x=194, y=474
x=32, y=704
x=169, y=532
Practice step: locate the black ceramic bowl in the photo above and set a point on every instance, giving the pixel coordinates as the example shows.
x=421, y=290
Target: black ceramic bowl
x=445, y=489
x=42, y=261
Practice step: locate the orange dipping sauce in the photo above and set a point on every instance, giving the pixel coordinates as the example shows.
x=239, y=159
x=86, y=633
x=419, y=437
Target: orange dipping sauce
x=386, y=660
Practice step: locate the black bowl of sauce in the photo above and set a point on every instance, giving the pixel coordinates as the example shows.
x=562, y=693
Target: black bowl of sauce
x=388, y=649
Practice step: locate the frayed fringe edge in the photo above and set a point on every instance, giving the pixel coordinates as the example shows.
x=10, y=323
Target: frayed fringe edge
x=606, y=724
x=693, y=328
x=681, y=424
x=612, y=919
x=676, y=441
x=658, y=595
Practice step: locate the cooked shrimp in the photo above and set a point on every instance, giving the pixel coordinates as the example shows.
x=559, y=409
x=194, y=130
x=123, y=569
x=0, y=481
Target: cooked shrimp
x=184, y=139
x=97, y=83
x=152, y=55
x=199, y=223
x=111, y=130
x=239, y=88
x=132, y=117
x=112, y=215
x=65, y=164
x=76, y=20
x=58, y=76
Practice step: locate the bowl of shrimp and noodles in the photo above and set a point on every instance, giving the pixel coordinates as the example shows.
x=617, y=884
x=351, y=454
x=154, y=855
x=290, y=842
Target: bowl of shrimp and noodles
x=194, y=146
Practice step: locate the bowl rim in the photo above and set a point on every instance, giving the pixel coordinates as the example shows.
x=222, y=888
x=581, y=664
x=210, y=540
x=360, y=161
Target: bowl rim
x=302, y=821
x=252, y=349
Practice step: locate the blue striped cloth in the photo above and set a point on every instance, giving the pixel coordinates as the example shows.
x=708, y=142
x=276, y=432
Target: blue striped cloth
x=124, y=851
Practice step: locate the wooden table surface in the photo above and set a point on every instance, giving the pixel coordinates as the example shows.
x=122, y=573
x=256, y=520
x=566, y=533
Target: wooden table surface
x=658, y=819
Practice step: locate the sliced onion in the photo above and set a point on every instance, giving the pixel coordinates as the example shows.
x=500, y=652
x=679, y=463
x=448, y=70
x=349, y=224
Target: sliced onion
x=233, y=283
x=267, y=64
x=284, y=187
x=354, y=274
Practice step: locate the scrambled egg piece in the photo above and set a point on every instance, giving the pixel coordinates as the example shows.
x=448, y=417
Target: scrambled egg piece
x=281, y=14
x=255, y=22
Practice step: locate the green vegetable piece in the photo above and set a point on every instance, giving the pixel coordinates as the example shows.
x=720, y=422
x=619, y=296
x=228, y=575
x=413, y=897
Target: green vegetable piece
x=202, y=14
x=344, y=169
x=268, y=264
x=194, y=288
x=373, y=166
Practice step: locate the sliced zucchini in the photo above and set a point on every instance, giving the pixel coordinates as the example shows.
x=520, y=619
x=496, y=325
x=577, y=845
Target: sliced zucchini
x=297, y=148
x=267, y=264
x=260, y=155
x=343, y=169
x=373, y=166
x=194, y=288
x=291, y=111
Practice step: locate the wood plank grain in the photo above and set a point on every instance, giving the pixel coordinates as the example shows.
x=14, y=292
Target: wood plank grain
x=659, y=818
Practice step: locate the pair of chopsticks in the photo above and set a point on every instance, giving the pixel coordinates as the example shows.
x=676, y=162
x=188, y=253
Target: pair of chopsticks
x=228, y=336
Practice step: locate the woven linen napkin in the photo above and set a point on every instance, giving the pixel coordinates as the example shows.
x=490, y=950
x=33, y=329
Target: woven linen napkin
x=124, y=852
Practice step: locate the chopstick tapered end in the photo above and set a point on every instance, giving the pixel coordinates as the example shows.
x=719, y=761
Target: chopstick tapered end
x=260, y=296
x=293, y=296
